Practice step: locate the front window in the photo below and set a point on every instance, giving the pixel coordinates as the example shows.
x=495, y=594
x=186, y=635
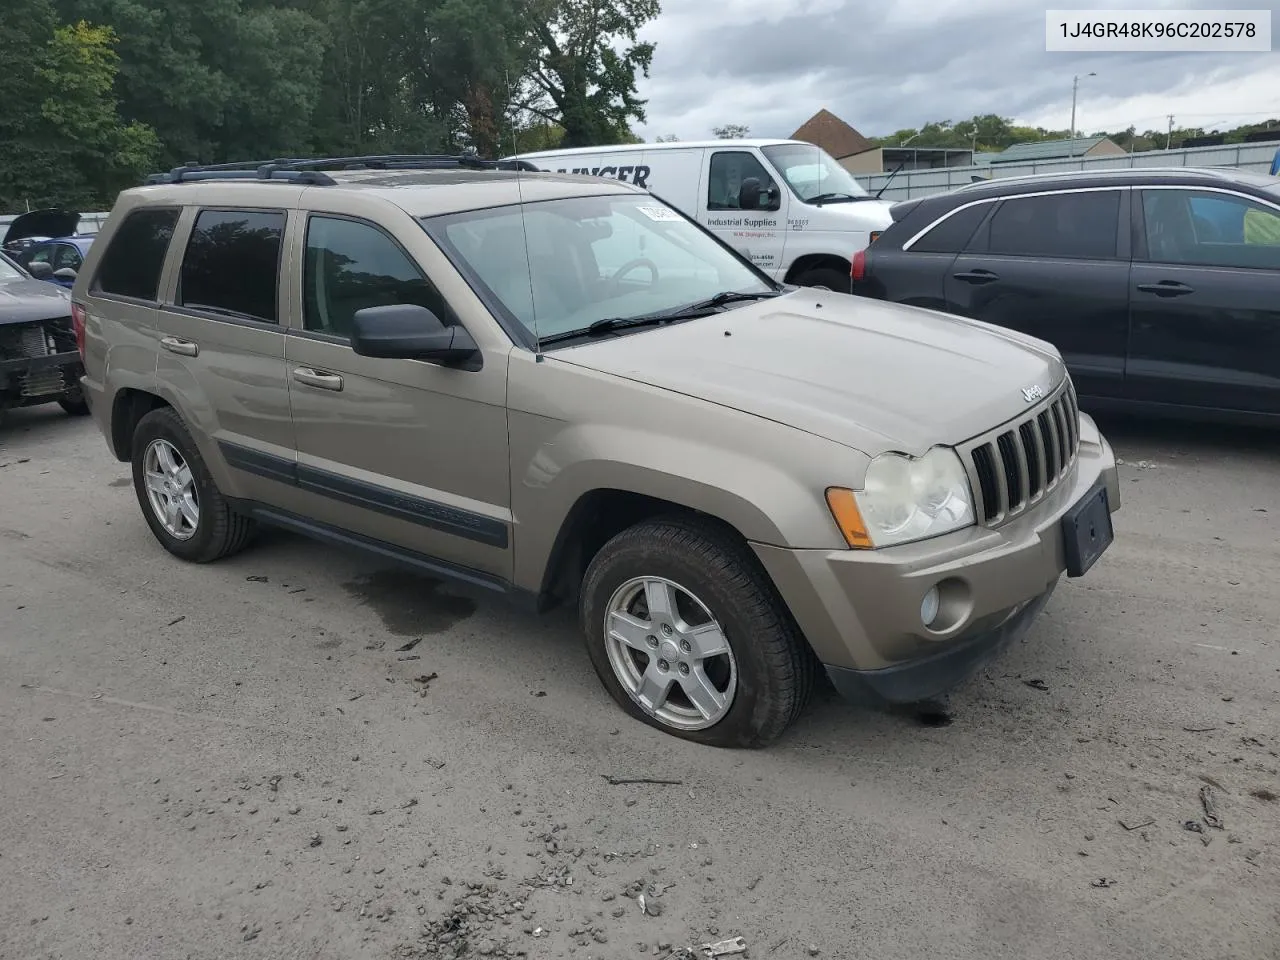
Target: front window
x=1211, y=229
x=558, y=266
x=813, y=175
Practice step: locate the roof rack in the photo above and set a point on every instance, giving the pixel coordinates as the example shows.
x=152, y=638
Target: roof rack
x=311, y=170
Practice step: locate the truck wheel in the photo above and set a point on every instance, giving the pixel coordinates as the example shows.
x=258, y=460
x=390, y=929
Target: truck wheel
x=179, y=499
x=688, y=634
x=825, y=278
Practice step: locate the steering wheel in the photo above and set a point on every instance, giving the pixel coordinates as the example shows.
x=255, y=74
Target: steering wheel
x=636, y=264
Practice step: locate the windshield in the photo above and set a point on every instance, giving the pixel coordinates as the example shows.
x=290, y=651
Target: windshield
x=8, y=271
x=812, y=172
x=589, y=259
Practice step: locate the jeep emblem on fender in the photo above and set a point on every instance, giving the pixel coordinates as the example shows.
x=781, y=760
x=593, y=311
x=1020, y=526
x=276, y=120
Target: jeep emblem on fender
x=1032, y=393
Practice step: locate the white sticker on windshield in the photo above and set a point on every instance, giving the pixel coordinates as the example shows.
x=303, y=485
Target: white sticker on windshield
x=660, y=213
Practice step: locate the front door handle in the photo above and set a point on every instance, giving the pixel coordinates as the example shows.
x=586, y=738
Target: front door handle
x=183, y=348
x=976, y=276
x=1166, y=288
x=314, y=378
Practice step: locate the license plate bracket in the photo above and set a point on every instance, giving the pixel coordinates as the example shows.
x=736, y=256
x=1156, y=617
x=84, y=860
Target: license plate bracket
x=1087, y=531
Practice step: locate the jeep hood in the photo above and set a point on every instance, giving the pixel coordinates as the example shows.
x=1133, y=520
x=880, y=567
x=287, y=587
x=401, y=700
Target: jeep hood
x=41, y=223
x=27, y=299
x=872, y=375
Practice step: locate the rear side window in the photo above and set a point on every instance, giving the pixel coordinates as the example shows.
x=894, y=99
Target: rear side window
x=132, y=263
x=953, y=234
x=232, y=264
x=1078, y=225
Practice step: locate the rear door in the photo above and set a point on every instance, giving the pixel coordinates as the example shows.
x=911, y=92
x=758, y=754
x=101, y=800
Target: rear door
x=917, y=273
x=1055, y=264
x=221, y=357
x=759, y=235
x=1205, y=300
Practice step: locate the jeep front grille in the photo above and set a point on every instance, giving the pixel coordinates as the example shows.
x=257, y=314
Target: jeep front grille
x=1017, y=464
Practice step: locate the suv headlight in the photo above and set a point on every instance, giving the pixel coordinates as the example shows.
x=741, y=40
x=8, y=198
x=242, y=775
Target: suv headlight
x=904, y=499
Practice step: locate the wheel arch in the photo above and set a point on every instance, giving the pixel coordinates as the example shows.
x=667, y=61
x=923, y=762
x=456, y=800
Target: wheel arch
x=128, y=407
x=817, y=261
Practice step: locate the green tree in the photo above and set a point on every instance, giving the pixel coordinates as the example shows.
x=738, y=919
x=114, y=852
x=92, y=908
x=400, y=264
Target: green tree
x=731, y=131
x=62, y=141
x=586, y=64
x=216, y=79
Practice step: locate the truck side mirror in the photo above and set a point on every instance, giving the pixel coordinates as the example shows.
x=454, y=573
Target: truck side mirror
x=752, y=195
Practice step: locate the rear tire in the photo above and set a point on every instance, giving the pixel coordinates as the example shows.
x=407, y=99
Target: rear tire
x=745, y=697
x=201, y=526
x=825, y=278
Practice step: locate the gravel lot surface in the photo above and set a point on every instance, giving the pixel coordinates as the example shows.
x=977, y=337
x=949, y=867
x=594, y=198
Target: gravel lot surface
x=239, y=760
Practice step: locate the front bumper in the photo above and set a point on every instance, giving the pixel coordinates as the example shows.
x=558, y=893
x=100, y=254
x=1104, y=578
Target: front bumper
x=31, y=380
x=860, y=610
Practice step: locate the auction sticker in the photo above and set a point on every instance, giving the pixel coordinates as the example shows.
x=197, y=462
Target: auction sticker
x=660, y=214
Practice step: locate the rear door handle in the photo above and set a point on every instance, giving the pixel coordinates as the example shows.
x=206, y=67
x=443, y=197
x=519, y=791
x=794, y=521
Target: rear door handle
x=314, y=378
x=976, y=276
x=1166, y=288
x=183, y=348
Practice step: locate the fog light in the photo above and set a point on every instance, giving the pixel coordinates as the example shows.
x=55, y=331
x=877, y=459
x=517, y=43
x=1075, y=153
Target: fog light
x=929, y=606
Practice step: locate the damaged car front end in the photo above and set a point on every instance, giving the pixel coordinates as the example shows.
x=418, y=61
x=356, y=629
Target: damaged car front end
x=39, y=357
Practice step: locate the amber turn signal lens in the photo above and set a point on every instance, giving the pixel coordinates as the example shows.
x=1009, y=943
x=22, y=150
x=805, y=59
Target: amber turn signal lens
x=844, y=508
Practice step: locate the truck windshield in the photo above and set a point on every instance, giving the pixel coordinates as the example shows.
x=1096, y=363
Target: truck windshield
x=813, y=175
x=558, y=266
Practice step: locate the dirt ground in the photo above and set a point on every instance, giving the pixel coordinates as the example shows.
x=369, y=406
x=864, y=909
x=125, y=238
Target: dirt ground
x=240, y=760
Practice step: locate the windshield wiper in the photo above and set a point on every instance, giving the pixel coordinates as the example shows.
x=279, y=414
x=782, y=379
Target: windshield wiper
x=691, y=311
x=835, y=198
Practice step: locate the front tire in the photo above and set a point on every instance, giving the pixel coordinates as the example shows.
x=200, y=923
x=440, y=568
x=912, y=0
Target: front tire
x=182, y=505
x=688, y=634
x=74, y=403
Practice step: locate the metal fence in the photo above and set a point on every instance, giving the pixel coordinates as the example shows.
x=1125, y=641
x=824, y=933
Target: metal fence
x=1255, y=157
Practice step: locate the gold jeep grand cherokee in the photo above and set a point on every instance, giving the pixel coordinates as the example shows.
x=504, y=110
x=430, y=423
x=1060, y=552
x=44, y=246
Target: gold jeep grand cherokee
x=561, y=388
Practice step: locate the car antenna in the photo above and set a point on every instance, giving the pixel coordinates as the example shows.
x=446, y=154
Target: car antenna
x=896, y=170
x=515, y=152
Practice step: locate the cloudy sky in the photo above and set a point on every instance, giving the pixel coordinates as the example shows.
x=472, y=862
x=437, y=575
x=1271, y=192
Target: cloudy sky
x=883, y=65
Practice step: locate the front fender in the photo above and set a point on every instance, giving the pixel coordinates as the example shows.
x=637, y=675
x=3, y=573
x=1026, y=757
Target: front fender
x=768, y=496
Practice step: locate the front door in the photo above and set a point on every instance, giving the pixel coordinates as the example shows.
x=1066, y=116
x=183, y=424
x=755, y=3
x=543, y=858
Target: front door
x=1205, y=301
x=1056, y=266
x=403, y=452
x=759, y=235
x=222, y=345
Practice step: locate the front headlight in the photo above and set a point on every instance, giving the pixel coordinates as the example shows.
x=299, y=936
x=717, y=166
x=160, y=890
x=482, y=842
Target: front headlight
x=905, y=499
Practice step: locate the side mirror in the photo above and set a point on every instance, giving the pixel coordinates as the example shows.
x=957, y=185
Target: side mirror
x=40, y=270
x=66, y=273
x=406, y=331
x=752, y=195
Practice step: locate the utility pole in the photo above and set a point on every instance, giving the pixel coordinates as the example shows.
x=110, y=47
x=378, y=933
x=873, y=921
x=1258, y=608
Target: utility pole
x=1168, y=140
x=1075, y=87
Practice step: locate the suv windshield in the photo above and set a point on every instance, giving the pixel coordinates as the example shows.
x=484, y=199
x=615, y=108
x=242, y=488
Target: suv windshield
x=813, y=175
x=558, y=266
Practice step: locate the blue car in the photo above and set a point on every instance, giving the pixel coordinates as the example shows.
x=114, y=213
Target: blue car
x=46, y=243
x=63, y=255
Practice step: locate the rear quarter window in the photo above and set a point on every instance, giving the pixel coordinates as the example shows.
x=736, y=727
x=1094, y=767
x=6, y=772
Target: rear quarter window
x=953, y=234
x=132, y=262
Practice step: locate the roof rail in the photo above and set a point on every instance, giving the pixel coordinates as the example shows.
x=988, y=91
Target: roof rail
x=310, y=170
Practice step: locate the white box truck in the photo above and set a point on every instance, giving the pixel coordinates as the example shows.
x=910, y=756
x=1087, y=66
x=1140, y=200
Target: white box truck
x=786, y=205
